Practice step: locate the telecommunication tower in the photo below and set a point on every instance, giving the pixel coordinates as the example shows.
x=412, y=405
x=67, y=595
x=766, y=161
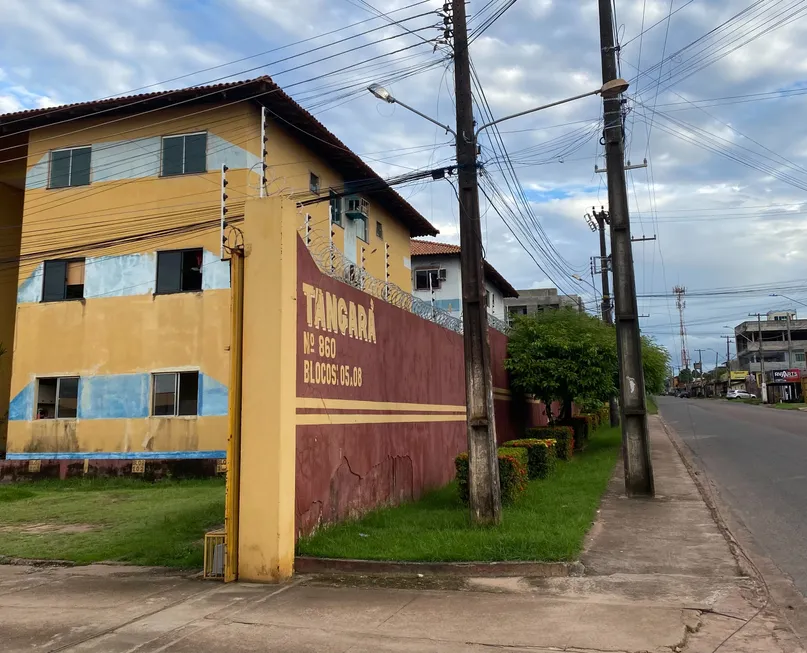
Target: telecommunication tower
x=679, y=292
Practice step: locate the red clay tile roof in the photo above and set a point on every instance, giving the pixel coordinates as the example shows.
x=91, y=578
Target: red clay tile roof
x=262, y=91
x=431, y=248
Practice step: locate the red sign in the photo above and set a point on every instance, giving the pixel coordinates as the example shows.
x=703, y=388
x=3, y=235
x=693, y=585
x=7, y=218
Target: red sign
x=786, y=376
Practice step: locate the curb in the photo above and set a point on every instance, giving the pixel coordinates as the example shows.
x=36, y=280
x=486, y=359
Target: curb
x=779, y=590
x=36, y=562
x=312, y=565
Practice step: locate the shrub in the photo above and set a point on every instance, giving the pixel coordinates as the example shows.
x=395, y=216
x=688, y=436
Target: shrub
x=540, y=455
x=582, y=429
x=512, y=474
x=563, y=436
x=605, y=415
x=593, y=420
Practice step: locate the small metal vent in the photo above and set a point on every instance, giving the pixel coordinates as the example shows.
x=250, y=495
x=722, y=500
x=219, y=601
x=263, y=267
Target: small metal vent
x=215, y=545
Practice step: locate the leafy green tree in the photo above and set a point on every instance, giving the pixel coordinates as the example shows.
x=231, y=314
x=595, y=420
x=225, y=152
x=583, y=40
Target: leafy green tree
x=685, y=376
x=562, y=356
x=656, y=363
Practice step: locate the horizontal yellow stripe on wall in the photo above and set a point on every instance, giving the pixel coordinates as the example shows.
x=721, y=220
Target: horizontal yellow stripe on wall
x=366, y=418
x=355, y=404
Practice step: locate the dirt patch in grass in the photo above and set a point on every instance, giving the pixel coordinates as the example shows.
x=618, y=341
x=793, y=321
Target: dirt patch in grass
x=110, y=520
x=39, y=529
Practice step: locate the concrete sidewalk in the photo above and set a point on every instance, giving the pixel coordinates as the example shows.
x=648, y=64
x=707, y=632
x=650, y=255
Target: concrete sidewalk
x=659, y=577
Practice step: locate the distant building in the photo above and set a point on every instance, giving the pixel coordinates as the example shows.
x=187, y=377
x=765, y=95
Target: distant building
x=538, y=300
x=436, y=276
x=778, y=353
x=780, y=341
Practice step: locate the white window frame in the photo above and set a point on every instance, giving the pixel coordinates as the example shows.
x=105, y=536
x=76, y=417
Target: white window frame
x=182, y=136
x=436, y=278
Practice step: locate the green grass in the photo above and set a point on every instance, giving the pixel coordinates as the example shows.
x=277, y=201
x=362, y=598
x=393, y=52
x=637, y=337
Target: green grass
x=794, y=406
x=753, y=402
x=133, y=521
x=652, y=406
x=548, y=523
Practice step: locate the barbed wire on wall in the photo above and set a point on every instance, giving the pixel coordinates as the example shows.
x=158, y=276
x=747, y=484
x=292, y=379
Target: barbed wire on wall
x=335, y=264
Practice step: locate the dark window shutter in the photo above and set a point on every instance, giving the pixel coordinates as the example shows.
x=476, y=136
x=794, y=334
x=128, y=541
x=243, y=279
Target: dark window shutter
x=195, y=153
x=188, y=403
x=80, y=166
x=60, y=169
x=53, y=288
x=169, y=272
x=192, y=270
x=172, y=155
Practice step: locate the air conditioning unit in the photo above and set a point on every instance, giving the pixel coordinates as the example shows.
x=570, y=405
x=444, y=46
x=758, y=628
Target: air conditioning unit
x=441, y=274
x=357, y=208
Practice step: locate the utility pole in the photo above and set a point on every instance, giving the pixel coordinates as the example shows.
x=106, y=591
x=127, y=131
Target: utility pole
x=789, y=344
x=700, y=367
x=635, y=438
x=728, y=363
x=483, y=464
x=763, y=386
x=601, y=219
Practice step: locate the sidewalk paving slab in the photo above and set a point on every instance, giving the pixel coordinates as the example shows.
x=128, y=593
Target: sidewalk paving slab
x=660, y=577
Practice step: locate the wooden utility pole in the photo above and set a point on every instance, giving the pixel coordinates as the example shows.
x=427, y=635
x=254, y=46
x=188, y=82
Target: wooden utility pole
x=483, y=463
x=633, y=406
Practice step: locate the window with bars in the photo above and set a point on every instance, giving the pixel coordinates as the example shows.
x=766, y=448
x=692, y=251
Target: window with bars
x=57, y=398
x=175, y=393
x=185, y=154
x=70, y=167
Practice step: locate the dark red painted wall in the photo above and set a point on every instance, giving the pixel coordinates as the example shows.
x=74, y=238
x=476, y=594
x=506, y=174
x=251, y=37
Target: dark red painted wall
x=345, y=469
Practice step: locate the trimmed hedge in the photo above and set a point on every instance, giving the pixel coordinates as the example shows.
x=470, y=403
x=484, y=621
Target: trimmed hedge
x=582, y=426
x=563, y=436
x=540, y=455
x=512, y=474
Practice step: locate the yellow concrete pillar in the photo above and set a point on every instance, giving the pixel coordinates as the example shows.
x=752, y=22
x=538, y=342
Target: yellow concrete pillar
x=268, y=431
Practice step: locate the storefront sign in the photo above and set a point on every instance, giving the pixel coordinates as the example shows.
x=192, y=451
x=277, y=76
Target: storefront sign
x=738, y=375
x=786, y=376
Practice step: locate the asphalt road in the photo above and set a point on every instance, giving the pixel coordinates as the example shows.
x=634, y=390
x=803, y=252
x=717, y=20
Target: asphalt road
x=757, y=458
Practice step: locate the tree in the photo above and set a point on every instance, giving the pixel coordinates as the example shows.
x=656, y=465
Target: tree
x=655, y=360
x=685, y=375
x=562, y=356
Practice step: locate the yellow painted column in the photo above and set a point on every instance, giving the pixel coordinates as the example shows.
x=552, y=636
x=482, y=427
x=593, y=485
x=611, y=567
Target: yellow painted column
x=268, y=431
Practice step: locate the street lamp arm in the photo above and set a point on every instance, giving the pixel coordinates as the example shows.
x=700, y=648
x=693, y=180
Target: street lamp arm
x=423, y=115
x=528, y=111
x=775, y=294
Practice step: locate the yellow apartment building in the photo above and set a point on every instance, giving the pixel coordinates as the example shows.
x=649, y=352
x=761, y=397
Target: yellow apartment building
x=114, y=298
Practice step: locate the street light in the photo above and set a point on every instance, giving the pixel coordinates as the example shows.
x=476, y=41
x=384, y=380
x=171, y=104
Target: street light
x=774, y=294
x=608, y=90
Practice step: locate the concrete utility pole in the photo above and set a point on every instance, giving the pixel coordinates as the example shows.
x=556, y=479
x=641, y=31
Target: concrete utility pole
x=728, y=362
x=762, y=385
x=635, y=440
x=602, y=218
x=789, y=343
x=483, y=464
x=700, y=366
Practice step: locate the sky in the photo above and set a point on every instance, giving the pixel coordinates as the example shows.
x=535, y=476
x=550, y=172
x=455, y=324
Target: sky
x=715, y=107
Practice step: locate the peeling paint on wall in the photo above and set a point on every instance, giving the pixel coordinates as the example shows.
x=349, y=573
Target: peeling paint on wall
x=122, y=396
x=126, y=275
x=30, y=290
x=215, y=272
x=22, y=406
x=116, y=396
x=212, y=396
x=139, y=158
x=119, y=276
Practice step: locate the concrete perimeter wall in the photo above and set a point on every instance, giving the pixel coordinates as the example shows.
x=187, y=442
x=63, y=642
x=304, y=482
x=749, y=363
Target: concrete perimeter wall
x=380, y=400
